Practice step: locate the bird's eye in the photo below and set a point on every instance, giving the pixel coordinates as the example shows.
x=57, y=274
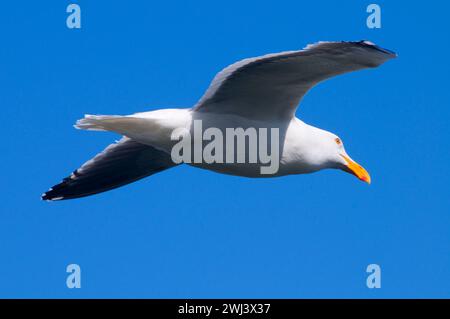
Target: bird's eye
x=338, y=141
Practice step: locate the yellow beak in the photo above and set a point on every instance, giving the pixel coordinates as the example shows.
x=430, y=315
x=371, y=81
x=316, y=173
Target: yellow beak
x=357, y=170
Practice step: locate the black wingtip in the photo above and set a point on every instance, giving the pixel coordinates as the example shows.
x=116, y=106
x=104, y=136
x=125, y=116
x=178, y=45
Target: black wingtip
x=372, y=45
x=51, y=196
x=45, y=196
x=57, y=192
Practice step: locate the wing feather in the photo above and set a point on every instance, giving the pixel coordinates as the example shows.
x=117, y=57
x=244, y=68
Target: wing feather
x=272, y=86
x=119, y=164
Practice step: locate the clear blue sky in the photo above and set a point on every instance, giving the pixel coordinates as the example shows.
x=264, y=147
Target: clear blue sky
x=192, y=233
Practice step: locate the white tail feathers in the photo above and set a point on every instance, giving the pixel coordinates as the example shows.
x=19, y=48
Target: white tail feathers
x=98, y=122
x=124, y=125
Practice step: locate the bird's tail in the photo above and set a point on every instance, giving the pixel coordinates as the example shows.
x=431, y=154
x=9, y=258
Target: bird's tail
x=124, y=125
x=98, y=122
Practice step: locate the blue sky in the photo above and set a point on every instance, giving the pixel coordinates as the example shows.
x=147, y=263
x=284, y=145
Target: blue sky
x=192, y=233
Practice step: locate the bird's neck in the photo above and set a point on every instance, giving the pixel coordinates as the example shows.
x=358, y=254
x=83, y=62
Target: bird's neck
x=303, y=148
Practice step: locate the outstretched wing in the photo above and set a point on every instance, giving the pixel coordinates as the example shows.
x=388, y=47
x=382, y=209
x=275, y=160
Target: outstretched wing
x=119, y=164
x=271, y=86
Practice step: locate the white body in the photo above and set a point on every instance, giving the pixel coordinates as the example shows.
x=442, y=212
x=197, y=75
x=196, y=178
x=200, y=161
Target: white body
x=301, y=145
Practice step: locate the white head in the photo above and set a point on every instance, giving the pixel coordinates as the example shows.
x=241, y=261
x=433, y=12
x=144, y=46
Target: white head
x=326, y=150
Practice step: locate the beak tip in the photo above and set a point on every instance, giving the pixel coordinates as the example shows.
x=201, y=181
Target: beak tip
x=357, y=170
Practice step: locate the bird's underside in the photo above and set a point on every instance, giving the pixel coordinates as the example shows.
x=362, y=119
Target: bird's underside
x=266, y=89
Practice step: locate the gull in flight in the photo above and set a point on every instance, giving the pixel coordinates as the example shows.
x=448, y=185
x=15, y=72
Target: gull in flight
x=260, y=92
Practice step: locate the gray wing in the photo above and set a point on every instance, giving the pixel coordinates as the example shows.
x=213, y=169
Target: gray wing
x=271, y=86
x=119, y=164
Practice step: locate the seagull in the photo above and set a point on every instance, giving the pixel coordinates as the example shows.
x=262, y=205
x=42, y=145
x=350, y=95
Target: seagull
x=259, y=92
